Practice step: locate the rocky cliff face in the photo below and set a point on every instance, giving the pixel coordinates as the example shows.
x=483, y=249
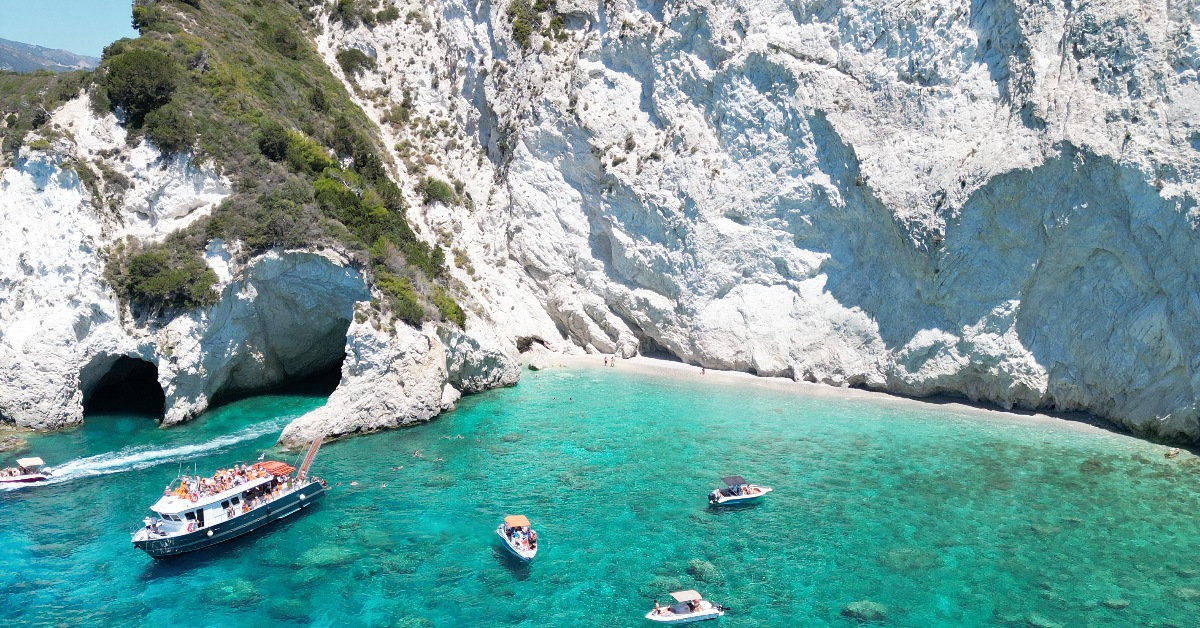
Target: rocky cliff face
x=993, y=199
x=282, y=315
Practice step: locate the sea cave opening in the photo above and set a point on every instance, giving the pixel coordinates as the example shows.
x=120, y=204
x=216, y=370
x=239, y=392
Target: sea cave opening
x=320, y=381
x=129, y=386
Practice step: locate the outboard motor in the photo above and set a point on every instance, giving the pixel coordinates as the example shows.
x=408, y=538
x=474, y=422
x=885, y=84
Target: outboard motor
x=714, y=496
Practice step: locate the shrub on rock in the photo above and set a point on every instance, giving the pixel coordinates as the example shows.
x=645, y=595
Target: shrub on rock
x=140, y=81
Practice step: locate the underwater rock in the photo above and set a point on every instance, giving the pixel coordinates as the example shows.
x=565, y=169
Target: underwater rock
x=661, y=586
x=704, y=571
x=1186, y=593
x=326, y=557
x=287, y=609
x=13, y=444
x=865, y=610
x=1171, y=453
x=1115, y=603
x=1033, y=620
x=237, y=592
x=909, y=558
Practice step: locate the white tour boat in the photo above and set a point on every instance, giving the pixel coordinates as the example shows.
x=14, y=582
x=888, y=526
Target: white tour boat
x=689, y=606
x=27, y=470
x=737, y=491
x=202, y=512
x=518, y=537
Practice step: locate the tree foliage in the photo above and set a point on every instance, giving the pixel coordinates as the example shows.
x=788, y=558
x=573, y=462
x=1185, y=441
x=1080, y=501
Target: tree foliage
x=171, y=129
x=140, y=81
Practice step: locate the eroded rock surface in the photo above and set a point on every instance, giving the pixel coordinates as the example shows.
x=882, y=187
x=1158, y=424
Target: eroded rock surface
x=990, y=199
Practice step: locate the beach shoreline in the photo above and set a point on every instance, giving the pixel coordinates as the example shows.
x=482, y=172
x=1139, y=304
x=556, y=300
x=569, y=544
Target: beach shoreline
x=658, y=367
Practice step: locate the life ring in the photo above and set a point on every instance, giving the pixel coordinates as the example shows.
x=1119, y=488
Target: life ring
x=194, y=497
x=191, y=527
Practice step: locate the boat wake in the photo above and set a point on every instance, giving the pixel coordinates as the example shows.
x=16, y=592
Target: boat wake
x=138, y=457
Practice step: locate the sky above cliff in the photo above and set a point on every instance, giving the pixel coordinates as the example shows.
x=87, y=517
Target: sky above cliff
x=81, y=26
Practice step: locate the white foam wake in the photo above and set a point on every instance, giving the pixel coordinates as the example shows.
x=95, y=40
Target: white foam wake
x=140, y=457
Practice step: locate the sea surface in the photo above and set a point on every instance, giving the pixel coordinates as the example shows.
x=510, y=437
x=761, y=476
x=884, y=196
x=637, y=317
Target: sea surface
x=944, y=517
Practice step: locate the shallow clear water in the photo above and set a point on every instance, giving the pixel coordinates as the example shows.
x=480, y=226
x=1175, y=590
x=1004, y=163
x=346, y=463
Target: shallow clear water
x=947, y=519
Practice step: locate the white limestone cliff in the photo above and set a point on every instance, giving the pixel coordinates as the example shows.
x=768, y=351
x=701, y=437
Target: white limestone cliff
x=991, y=199
x=282, y=315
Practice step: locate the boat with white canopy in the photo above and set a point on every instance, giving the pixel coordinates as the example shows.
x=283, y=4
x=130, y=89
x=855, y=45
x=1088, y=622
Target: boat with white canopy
x=201, y=512
x=518, y=536
x=737, y=491
x=27, y=470
x=689, y=607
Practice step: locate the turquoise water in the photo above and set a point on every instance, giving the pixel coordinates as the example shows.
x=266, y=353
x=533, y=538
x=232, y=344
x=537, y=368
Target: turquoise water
x=946, y=519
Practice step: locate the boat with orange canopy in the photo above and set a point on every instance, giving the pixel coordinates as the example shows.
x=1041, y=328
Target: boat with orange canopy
x=202, y=512
x=518, y=536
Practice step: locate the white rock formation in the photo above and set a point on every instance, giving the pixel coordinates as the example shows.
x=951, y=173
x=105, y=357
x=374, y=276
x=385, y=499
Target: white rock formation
x=993, y=199
x=60, y=325
x=398, y=376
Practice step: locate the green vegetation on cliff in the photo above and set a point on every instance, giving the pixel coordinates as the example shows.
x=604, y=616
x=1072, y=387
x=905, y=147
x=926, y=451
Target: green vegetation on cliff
x=26, y=101
x=240, y=85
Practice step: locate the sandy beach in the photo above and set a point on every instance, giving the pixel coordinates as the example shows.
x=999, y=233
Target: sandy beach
x=656, y=367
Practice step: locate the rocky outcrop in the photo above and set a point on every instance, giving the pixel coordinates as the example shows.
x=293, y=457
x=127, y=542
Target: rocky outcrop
x=283, y=318
x=995, y=200
x=397, y=376
x=61, y=325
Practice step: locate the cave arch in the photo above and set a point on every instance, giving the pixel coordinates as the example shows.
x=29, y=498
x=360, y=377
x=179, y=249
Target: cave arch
x=125, y=385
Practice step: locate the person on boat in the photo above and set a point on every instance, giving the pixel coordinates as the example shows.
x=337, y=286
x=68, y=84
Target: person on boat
x=533, y=538
x=657, y=608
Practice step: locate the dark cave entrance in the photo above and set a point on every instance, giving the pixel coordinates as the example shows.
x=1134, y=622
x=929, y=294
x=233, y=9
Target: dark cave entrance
x=320, y=383
x=130, y=386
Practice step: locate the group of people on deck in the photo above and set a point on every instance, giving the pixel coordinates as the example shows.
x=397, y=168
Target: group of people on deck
x=690, y=606
x=523, y=537
x=222, y=480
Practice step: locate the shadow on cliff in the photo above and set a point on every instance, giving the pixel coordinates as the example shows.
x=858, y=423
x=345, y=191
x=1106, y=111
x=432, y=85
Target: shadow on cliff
x=1090, y=265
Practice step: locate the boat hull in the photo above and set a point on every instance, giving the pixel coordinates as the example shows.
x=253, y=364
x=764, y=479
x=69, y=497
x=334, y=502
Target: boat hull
x=226, y=530
x=25, y=479
x=684, y=618
x=738, y=500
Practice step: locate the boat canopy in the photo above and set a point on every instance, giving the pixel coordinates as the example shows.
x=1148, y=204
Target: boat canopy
x=734, y=480
x=686, y=596
x=274, y=468
x=516, y=521
x=30, y=462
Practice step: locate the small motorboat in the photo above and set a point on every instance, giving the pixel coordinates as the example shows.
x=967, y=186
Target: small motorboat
x=689, y=606
x=519, y=538
x=202, y=512
x=737, y=491
x=27, y=470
